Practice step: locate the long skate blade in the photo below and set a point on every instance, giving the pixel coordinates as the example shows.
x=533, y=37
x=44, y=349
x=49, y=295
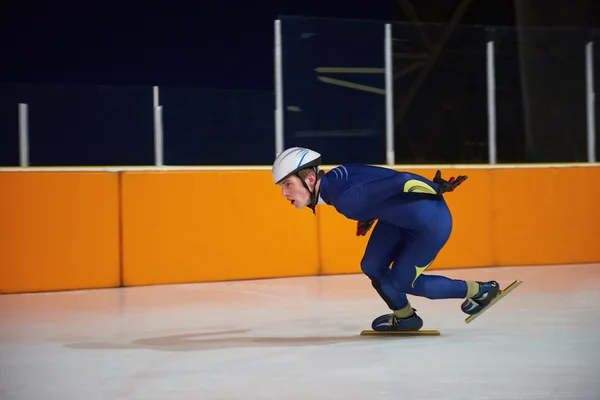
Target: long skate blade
x=503, y=293
x=401, y=333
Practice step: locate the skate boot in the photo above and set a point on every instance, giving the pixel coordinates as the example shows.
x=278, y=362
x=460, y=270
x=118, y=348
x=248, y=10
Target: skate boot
x=390, y=322
x=487, y=292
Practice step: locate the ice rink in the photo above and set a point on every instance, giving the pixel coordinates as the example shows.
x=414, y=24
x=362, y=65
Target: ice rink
x=298, y=338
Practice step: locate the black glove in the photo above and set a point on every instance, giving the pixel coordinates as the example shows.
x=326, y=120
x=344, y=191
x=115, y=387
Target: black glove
x=450, y=185
x=362, y=227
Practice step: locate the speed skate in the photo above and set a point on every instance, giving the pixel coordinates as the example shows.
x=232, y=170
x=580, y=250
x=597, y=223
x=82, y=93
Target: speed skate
x=422, y=332
x=496, y=299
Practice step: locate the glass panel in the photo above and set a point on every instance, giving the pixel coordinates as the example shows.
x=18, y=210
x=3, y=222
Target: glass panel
x=440, y=94
x=334, y=88
x=218, y=127
x=541, y=94
x=9, y=126
x=87, y=125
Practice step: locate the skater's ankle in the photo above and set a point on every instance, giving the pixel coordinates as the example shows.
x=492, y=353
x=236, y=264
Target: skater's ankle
x=404, y=312
x=472, y=288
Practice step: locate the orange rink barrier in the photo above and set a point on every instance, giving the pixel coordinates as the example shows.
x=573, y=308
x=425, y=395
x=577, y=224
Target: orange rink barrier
x=58, y=231
x=77, y=230
x=199, y=226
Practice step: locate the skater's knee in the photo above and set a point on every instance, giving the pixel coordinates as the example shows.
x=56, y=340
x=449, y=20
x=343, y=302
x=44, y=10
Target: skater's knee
x=372, y=268
x=374, y=275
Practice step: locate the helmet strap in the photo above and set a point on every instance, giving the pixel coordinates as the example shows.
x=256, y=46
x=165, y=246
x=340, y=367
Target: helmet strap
x=314, y=195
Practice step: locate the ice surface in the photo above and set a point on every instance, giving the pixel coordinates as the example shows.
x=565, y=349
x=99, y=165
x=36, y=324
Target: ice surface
x=299, y=338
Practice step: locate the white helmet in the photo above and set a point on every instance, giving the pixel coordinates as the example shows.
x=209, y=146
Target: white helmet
x=293, y=160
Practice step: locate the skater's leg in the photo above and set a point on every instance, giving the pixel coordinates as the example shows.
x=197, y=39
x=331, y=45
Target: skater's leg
x=385, y=243
x=440, y=287
x=407, y=273
x=418, y=254
x=383, y=246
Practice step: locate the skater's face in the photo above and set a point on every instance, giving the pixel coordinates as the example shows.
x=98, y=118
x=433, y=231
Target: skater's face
x=295, y=192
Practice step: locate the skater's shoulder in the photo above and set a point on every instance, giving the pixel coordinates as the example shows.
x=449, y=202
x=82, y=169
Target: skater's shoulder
x=339, y=172
x=338, y=180
x=345, y=170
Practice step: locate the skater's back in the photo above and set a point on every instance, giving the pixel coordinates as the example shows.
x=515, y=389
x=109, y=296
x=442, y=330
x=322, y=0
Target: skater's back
x=403, y=199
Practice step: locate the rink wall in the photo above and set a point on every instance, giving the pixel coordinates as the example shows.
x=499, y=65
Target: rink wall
x=99, y=228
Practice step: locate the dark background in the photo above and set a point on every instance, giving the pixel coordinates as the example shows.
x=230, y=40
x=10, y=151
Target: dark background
x=86, y=70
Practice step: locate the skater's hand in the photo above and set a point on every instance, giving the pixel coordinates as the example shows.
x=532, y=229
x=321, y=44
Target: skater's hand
x=362, y=227
x=448, y=185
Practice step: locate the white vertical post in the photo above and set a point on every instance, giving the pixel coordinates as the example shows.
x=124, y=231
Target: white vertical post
x=155, y=100
x=158, y=128
x=158, y=137
x=590, y=98
x=278, y=90
x=491, y=91
x=23, y=135
x=389, y=97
